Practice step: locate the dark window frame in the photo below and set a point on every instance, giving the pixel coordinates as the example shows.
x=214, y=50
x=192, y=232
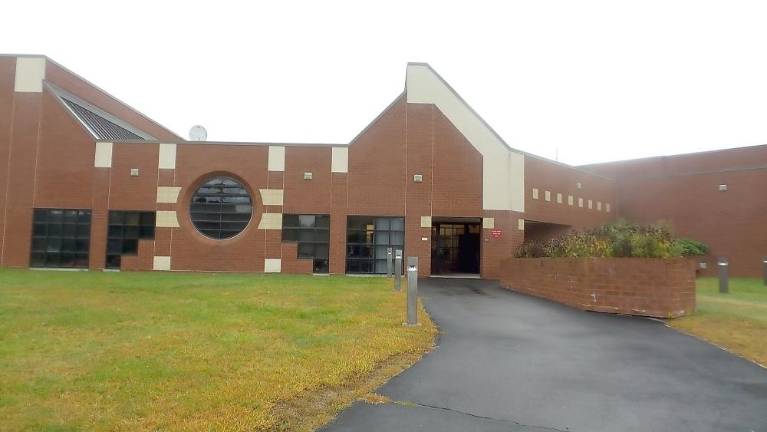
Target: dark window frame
x=60, y=238
x=221, y=207
x=368, y=238
x=124, y=230
x=315, y=237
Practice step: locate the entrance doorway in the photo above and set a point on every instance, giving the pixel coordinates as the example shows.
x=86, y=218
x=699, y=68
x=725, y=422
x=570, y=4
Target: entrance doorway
x=455, y=246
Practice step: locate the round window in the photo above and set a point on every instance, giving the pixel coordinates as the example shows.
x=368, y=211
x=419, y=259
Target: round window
x=221, y=208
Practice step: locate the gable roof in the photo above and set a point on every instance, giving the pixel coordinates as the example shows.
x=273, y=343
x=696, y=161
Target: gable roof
x=100, y=124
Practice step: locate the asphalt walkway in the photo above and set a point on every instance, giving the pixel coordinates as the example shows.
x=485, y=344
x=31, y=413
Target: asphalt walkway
x=510, y=362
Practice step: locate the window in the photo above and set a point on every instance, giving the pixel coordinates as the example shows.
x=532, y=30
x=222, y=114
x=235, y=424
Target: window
x=60, y=238
x=124, y=231
x=367, y=241
x=312, y=233
x=221, y=208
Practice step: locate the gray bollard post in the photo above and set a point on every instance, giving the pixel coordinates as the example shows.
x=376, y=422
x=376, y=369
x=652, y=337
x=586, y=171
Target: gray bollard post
x=724, y=277
x=398, y=269
x=412, y=291
x=389, y=264
x=764, y=265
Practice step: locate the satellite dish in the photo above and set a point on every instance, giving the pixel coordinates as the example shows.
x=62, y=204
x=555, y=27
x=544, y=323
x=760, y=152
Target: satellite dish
x=198, y=133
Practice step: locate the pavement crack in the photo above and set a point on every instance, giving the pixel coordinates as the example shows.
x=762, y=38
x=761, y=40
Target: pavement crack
x=514, y=422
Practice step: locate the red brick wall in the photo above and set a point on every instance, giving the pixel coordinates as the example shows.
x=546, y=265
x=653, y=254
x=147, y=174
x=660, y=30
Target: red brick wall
x=190, y=250
x=54, y=168
x=684, y=191
x=377, y=166
x=65, y=79
x=634, y=286
x=409, y=139
x=457, y=175
x=7, y=74
x=62, y=139
x=546, y=175
x=544, y=231
x=307, y=196
x=21, y=141
x=290, y=261
x=495, y=250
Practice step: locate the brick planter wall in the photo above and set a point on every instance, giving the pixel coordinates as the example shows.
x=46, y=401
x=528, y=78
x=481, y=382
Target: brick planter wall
x=663, y=288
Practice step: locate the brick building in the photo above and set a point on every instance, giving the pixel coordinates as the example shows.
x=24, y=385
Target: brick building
x=89, y=182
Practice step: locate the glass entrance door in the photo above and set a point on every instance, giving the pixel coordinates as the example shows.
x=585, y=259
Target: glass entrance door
x=455, y=247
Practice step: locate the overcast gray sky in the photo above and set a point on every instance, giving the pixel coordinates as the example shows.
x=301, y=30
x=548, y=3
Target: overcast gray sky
x=597, y=80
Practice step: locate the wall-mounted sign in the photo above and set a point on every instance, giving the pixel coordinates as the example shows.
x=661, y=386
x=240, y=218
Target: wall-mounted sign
x=496, y=233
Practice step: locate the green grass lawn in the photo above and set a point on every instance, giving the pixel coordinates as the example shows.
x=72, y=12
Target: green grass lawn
x=149, y=351
x=736, y=321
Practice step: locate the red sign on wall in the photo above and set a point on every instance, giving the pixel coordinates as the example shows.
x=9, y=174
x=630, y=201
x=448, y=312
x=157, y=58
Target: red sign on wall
x=496, y=233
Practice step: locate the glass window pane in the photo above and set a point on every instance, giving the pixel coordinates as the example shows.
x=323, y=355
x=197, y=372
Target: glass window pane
x=130, y=246
x=370, y=237
x=38, y=259
x=39, y=229
x=306, y=220
x=70, y=216
x=381, y=251
x=305, y=250
x=116, y=217
x=113, y=261
x=306, y=235
x=380, y=266
x=114, y=246
x=382, y=224
x=68, y=245
x=223, y=202
x=322, y=235
x=382, y=238
x=147, y=219
x=67, y=260
x=397, y=238
x=322, y=221
x=54, y=244
x=52, y=260
x=289, y=234
x=69, y=230
x=146, y=232
x=115, y=231
x=53, y=241
x=81, y=260
x=130, y=231
x=39, y=244
x=321, y=250
x=83, y=231
x=55, y=229
x=289, y=220
x=132, y=218
x=320, y=266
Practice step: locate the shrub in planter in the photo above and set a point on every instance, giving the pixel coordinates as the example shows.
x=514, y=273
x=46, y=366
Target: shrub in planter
x=618, y=239
x=691, y=247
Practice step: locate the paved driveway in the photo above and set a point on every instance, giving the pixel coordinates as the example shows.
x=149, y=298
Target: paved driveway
x=509, y=362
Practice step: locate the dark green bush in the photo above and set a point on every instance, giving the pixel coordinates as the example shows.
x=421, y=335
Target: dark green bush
x=618, y=239
x=691, y=247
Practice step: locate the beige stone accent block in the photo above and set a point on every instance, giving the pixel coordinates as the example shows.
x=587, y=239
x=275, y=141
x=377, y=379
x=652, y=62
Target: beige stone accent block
x=166, y=219
x=168, y=194
x=270, y=221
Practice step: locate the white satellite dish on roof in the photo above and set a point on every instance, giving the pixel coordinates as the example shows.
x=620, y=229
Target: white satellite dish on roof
x=198, y=133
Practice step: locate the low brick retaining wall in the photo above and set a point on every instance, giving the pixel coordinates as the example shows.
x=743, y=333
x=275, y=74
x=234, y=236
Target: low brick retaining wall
x=663, y=288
